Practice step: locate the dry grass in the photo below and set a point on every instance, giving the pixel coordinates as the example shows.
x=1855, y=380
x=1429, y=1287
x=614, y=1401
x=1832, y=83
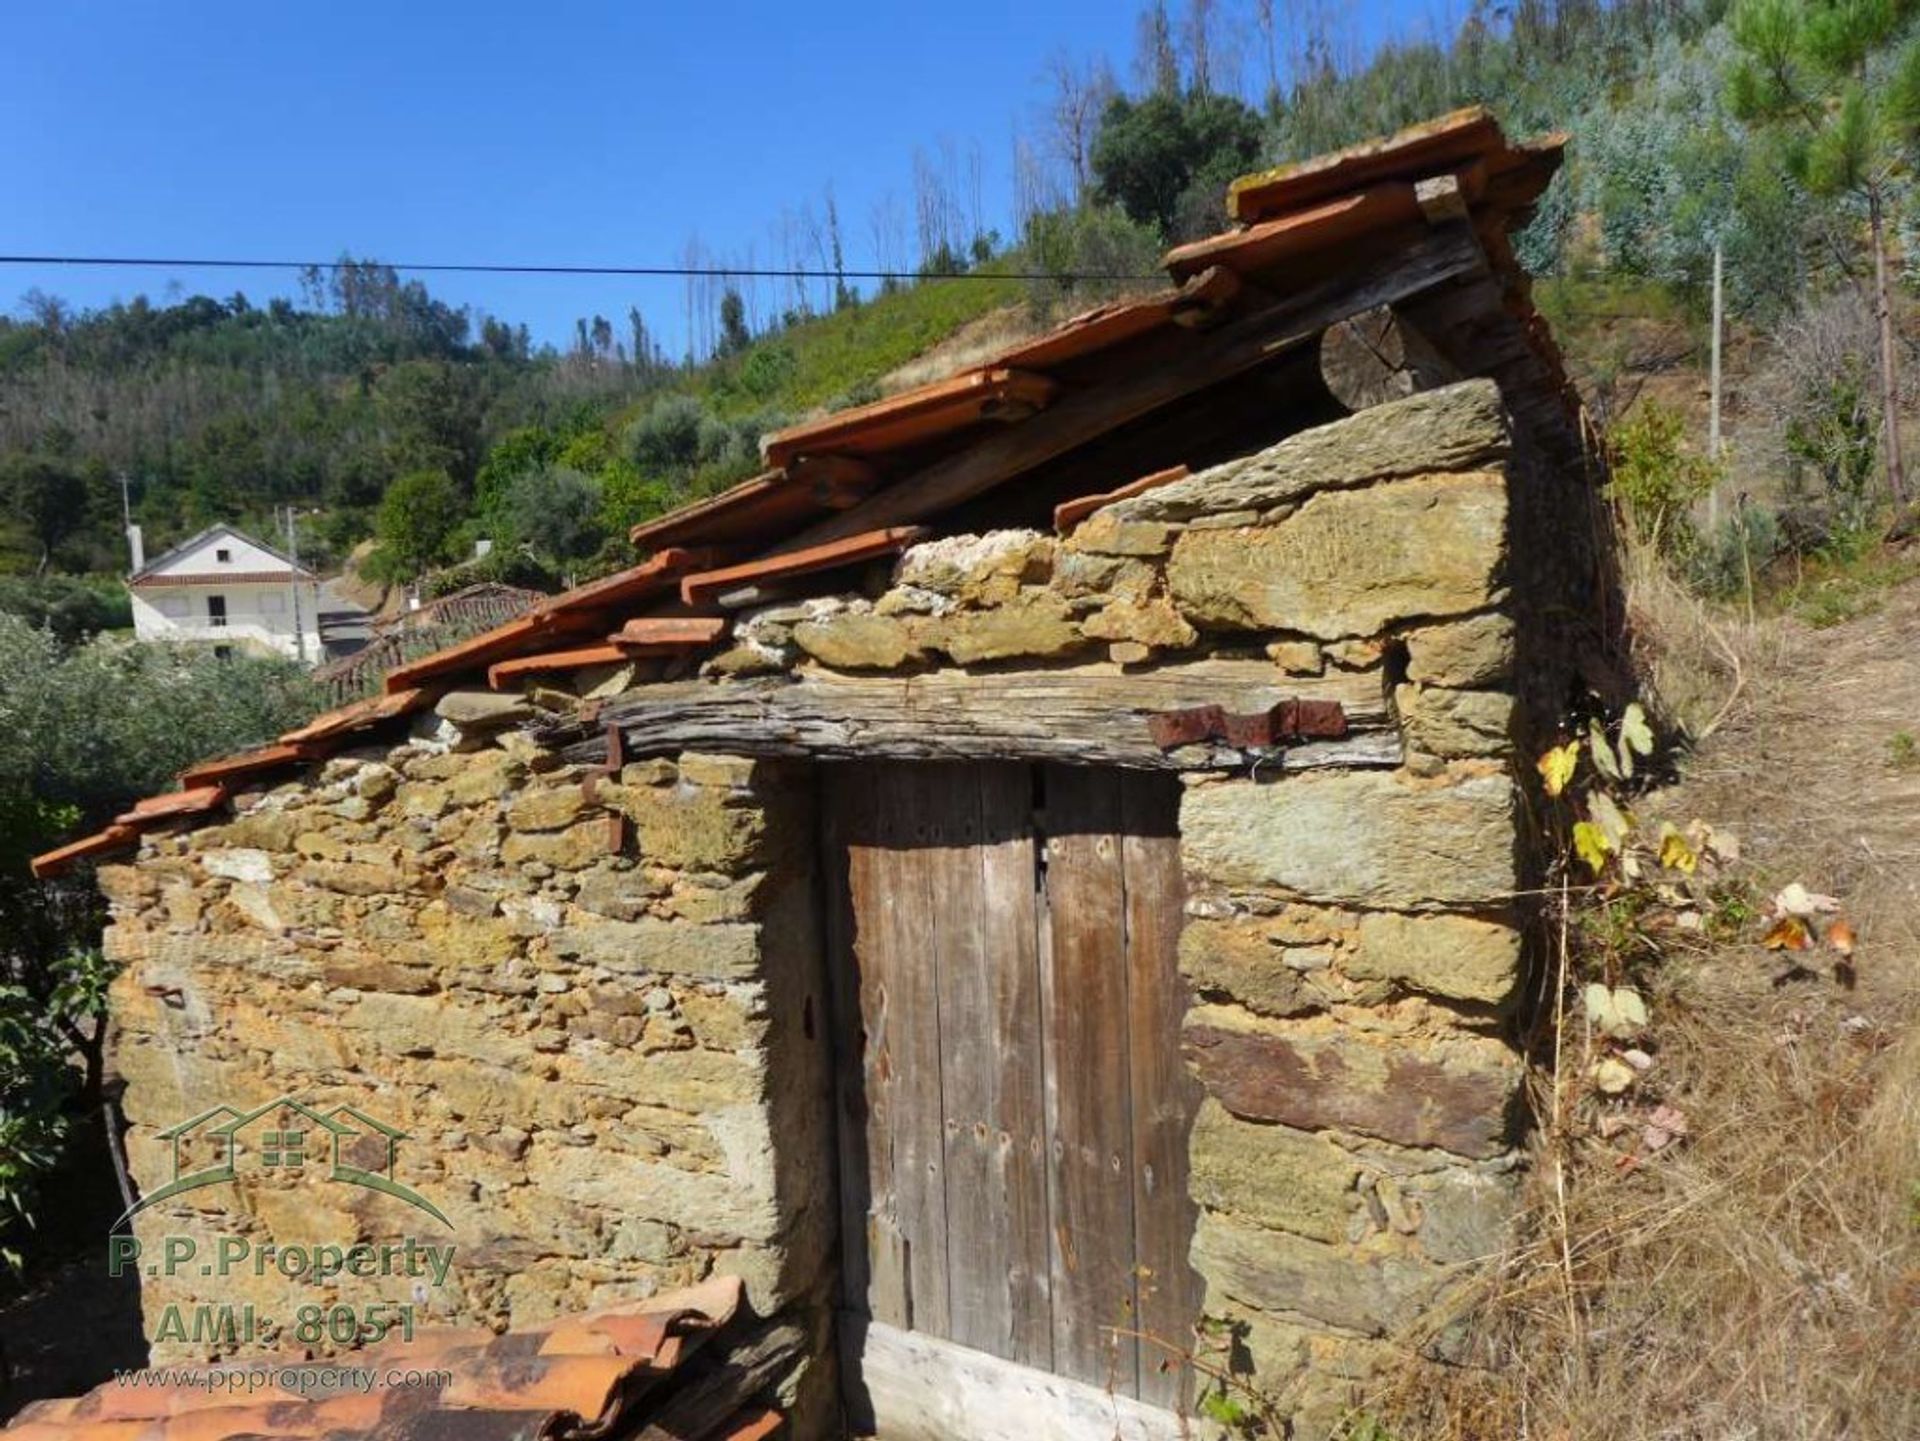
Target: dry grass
x=1760, y=1280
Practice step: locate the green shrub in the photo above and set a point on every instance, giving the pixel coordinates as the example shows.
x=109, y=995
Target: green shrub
x=73, y=608
x=1657, y=480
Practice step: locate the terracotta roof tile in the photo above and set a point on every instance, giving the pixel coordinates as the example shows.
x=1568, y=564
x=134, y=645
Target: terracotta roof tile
x=254, y=577
x=1424, y=149
x=1299, y=223
x=1069, y=513
x=242, y=764
x=581, y=610
x=172, y=804
x=924, y=413
x=654, y=634
x=588, y=1376
x=503, y=673
x=831, y=556
x=102, y=842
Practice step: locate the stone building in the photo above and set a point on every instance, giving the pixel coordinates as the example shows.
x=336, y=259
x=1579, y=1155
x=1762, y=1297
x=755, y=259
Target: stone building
x=1043, y=864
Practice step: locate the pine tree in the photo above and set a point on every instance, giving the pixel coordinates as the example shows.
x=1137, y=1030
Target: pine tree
x=1807, y=70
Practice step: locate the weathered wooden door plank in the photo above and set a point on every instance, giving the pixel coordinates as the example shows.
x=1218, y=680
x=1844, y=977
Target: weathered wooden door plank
x=1089, y=1092
x=1008, y=902
x=1162, y=1101
x=910, y=800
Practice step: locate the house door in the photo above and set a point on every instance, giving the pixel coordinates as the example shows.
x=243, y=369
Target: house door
x=1013, y=1110
x=216, y=610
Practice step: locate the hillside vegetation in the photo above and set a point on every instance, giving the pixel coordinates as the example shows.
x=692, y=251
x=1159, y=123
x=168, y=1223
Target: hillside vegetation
x=368, y=385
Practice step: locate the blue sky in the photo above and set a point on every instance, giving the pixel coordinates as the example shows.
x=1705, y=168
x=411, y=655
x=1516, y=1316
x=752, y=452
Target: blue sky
x=558, y=132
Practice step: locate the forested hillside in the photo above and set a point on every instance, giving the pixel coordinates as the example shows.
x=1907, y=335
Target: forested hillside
x=377, y=409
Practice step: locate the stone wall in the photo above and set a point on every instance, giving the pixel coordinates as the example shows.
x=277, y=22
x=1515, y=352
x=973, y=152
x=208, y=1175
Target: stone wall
x=595, y=1001
x=591, y=1003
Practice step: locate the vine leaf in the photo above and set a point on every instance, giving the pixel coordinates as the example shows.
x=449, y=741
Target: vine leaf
x=1616, y=1011
x=1556, y=767
x=1675, y=853
x=1590, y=843
x=1602, y=751
x=1614, y=823
x=1635, y=734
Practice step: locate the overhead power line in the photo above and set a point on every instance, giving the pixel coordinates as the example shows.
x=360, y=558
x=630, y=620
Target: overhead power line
x=718, y=272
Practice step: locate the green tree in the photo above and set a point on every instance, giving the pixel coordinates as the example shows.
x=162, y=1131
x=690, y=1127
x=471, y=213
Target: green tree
x=418, y=516
x=734, y=335
x=84, y=731
x=1166, y=159
x=49, y=497
x=554, y=512
x=1816, y=72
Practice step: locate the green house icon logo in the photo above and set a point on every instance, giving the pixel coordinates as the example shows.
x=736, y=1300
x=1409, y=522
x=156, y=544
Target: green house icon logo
x=284, y=1135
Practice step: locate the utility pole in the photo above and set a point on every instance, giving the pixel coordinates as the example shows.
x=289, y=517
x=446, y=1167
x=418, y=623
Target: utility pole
x=293, y=554
x=1713, y=410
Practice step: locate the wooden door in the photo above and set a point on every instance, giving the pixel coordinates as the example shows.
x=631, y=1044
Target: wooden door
x=1013, y=1112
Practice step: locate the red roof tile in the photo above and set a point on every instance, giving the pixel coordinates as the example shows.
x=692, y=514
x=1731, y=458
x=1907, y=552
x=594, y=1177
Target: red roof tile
x=834, y=554
x=917, y=415
x=172, y=804
x=503, y=672
x=1425, y=149
x=1069, y=513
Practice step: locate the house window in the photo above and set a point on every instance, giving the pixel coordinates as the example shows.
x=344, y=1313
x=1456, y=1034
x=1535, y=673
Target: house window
x=223, y=555
x=216, y=610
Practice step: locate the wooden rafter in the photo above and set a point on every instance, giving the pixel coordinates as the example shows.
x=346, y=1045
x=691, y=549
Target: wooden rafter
x=1429, y=257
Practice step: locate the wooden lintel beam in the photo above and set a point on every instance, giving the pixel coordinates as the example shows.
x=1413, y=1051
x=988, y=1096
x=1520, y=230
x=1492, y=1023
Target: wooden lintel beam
x=1089, y=715
x=1431, y=257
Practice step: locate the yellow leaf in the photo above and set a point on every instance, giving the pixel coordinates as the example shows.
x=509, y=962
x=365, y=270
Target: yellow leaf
x=1614, y=823
x=1675, y=853
x=1557, y=766
x=1592, y=845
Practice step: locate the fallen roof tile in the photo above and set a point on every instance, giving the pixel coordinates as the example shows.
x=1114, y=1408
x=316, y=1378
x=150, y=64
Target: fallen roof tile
x=588, y=1376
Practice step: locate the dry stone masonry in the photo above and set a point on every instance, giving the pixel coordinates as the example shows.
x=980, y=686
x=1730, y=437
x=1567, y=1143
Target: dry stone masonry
x=592, y=1000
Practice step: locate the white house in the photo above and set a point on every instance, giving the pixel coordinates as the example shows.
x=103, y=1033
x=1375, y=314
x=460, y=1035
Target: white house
x=228, y=590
